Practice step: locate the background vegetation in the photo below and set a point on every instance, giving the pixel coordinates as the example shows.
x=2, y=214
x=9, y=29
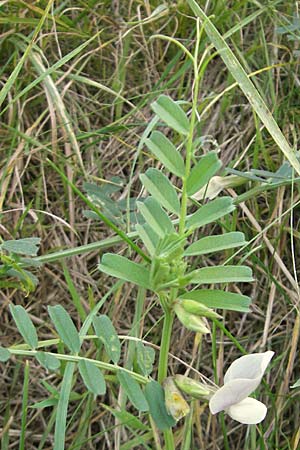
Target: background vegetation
x=77, y=81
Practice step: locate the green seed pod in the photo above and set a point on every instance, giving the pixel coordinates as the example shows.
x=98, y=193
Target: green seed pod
x=198, y=308
x=175, y=403
x=190, y=321
x=192, y=387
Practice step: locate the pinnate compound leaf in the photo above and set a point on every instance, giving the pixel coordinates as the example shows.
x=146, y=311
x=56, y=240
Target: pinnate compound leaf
x=171, y=113
x=26, y=246
x=219, y=299
x=24, y=325
x=166, y=152
x=92, y=377
x=105, y=331
x=155, y=217
x=221, y=274
x=202, y=172
x=211, y=244
x=65, y=327
x=4, y=354
x=159, y=186
x=50, y=362
x=121, y=267
x=155, y=396
x=210, y=212
x=133, y=390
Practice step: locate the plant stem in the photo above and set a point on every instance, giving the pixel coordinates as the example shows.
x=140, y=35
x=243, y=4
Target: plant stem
x=165, y=344
x=189, y=145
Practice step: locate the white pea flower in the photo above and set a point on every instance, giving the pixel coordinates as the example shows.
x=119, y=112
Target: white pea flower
x=242, y=378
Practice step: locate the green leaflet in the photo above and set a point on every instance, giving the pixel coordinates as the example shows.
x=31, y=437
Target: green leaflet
x=219, y=299
x=145, y=358
x=155, y=396
x=155, y=217
x=159, y=186
x=221, y=274
x=171, y=113
x=166, y=152
x=26, y=246
x=120, y=267
x=50, y=362
x=92, y=377
x=106, y=332
x=210, y=212
x=148, y=236
x=133, y=391
x=4, y=354
x=24, y=325
x=203, y=172
x=210, y=244
x=65, y=327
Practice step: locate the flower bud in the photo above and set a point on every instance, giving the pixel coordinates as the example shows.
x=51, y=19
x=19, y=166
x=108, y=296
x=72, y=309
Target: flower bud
x=190, y=321
x=198, y=308
x=175, y=403
x=192, y=387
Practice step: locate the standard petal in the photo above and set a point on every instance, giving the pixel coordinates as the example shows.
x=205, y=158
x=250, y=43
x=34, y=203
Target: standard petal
x=249, y=366
x=232, y=392
x=249, y=411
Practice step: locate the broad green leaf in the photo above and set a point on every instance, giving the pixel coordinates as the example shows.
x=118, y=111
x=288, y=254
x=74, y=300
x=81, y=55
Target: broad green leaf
x=210, y=212
x=120, y=267
x=92, y=377
x=4, y=354
x=166, y=152
x=127, y=419
x=145, y=358
x=210, y=244
x=24, y=325
x=133, y=390
x=203, y=172
x=171, y=113
x=48, y=361
x=148, y=236
x=247, y=86
x=219, y=299
x=26, y=246
x=155, y=396
x=221, y=274
x=65, y=327
x=105, y=331
x=159, y=186
x=155, y=217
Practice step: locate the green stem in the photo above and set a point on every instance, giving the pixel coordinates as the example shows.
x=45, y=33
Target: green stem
x=165, y=345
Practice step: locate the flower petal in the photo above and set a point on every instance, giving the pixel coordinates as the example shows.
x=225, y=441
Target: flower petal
x=249, y=367
x=232, y=392
x=248, y=411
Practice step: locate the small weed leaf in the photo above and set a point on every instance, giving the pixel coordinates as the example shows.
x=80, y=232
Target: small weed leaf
x=155, y=396
x=155, y=217
x=159, y=186
x=120, y=267
x=92, y=377
x=65, y=327
x=172, y=114
x=105, y=331
x=26, y=246
x=203, y=172
x=221, y=274
x=4, y=354
x=210, y=212
x=219, y=299
x=166, y=152
x=211, y=244
x=48, y=361
x=133, y=391
x=24, y=325
x=145, y=358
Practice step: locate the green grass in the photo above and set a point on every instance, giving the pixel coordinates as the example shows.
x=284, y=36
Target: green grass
x=76, y=88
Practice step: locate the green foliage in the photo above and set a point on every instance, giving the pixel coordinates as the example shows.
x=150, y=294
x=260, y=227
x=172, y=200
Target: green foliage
x=108, y=335
x=172, y=114
x=133, y=391
x=24, y=325
x=65, y=327
x=156, y=218
x=4, y=354
x=48, y=361
x=92, y=377
x=155, y=396
x=202, y=172
x=166, y=152
x=122, y=268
